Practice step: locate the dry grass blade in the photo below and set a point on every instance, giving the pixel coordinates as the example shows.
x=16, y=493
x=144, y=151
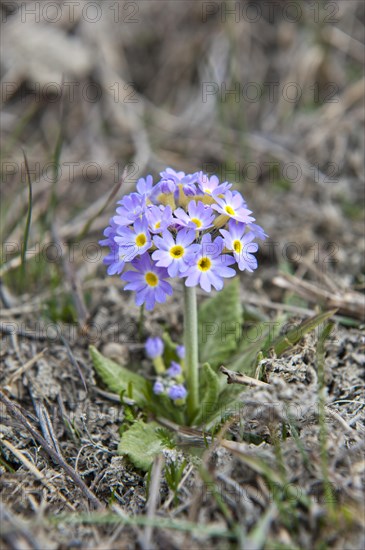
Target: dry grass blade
x=344, y=42
x=349, y=303
x=334, y=414
x=70, y=229
x=278, y=306
x=45, y=423
x=258, y=535
x=34, y=470
x=72, y=279
x=258, y=466
x=15, y=532
x=153, y=500
x=73, y=361
x=29, y=216
x=15, y=412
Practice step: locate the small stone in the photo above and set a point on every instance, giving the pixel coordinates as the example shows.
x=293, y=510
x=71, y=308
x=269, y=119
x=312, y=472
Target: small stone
x=117, y=352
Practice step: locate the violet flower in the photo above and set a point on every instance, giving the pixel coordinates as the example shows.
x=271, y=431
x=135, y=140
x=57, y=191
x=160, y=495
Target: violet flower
x=198, y=216
x=177, y=392
x=154, y=347
x=210, y=266
x=175, y=255
x=148, y=282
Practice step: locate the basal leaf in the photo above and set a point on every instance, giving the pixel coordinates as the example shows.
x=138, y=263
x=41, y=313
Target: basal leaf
x=118, y=378
x=220, y=322
x=209, y=393
x=141, y=443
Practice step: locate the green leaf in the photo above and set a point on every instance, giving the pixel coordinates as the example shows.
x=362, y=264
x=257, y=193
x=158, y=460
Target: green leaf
x=119, y=379
x=220, y=323
x=257, y=338
x=141, y=443
x=263, y=337
x=209, y=393
x=292, y=337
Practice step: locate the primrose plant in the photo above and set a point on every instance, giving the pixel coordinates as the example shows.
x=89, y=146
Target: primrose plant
x=190, y=227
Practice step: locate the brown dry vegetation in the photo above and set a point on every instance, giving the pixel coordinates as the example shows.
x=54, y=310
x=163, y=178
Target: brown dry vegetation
x=144, y=87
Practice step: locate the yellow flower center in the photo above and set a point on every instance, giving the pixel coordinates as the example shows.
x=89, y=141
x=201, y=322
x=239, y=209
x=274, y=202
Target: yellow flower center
x=167, y=199
x=157, y=225
x=205, y=199
x=141, y=240
x=177, y=251
x=229, y=210
x=197, y=222
x=207, y=191
x=151, y=278
x=237, y=246
x=204, y=264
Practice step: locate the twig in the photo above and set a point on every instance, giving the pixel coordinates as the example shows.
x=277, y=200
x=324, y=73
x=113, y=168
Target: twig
x=114, y=397
x=186, y=436
x=237, y=378
x=17, y=414
x=25, y=367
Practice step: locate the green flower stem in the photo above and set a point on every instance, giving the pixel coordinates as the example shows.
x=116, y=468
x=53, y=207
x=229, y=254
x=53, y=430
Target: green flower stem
x=159, y=365
x=191, y=350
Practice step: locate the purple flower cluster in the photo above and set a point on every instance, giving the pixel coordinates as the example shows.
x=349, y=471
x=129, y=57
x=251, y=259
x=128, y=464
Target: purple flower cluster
x=170, y=381
x=189, y=226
